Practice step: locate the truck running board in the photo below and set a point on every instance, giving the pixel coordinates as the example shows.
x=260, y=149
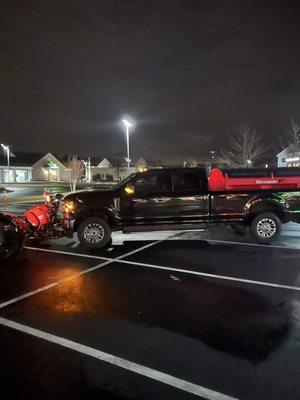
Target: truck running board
x=170, y=227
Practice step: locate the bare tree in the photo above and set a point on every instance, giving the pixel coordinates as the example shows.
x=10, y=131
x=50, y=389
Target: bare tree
x=76, y=167
x=120, y=169
x=295, y=135
x=246, y=148
x=292, y=137
x=191, y=162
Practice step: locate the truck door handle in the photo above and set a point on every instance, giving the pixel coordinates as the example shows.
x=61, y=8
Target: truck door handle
x=161, y=199
x=140, y=201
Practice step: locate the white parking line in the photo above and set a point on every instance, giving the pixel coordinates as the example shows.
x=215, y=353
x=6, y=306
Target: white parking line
x=84, y=272
x=67, y=253
x=207, y=275
x=156, y=375
x=119, y=259
x=270, y=247
x=185, y=271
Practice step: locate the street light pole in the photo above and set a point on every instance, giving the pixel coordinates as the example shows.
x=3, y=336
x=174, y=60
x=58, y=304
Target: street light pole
x=212, y=157
x=127, y=125
x=87, y=168
x=127, y=141
x=6, y=148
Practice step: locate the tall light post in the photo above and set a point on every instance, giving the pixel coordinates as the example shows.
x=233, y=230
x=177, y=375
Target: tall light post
x=6, y=148
x=87, y=167
x=127, y=124
x=212, y=159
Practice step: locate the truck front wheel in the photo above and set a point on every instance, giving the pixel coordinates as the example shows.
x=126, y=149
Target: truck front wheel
x=94, y=232
x=265, y=228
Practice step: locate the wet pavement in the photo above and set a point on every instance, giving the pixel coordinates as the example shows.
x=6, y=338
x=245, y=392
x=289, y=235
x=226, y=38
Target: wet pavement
x=162, y=316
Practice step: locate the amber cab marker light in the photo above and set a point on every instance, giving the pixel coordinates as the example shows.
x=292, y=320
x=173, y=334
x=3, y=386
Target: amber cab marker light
x=129, y=190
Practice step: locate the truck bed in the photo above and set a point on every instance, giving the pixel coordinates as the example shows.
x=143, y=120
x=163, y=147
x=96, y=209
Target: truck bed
x=254, y=179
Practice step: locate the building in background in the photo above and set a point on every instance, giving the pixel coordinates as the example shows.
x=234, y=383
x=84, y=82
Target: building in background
x=18, y=170
x=115, y=169
x=26, y=167
x=50, y=169
x=289, y=157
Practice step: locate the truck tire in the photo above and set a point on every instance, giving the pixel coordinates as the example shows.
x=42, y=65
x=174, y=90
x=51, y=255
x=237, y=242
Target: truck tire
x=11, y=241
x=94, y=232
x=2, y=242
x=265, y=228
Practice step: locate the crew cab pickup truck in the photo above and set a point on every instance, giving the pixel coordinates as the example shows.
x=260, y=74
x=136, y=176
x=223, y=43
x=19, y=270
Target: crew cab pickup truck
x=186, y=199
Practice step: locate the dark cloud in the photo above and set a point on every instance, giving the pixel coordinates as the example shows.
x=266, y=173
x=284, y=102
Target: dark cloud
x=189, y=71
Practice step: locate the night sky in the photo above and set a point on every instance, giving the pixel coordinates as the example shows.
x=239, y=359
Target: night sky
x=188, y=71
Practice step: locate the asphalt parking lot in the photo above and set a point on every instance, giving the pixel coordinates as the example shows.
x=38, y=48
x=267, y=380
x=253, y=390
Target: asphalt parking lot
x=156, y=316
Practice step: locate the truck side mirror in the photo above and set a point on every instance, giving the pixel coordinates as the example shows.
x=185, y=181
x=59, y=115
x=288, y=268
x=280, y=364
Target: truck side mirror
x=129, y=189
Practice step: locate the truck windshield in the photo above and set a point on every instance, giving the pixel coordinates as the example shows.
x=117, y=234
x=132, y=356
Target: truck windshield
x=124, y=181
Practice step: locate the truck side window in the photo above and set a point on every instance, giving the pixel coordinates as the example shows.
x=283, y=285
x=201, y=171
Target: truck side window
x=186, y=181
x=152, y=183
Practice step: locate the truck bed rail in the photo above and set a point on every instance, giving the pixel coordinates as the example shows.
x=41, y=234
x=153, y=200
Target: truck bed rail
x=254, y=179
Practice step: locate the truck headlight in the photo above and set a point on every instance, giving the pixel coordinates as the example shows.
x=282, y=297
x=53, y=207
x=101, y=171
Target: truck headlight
x=68, y=207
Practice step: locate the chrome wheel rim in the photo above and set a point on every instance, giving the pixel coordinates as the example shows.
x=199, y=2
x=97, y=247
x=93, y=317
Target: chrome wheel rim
x=93, y=233
x=266, y=228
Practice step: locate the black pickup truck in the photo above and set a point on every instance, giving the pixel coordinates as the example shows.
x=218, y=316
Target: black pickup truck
x=177, y=198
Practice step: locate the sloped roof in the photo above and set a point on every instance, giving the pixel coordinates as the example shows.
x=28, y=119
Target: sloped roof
x=23, y=159
x=118, y=160
x=49, y=156
x=289, y=149
x=115, y=161
x=104, y=161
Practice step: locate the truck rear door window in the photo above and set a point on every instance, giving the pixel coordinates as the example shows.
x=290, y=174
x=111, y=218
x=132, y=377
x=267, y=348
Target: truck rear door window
x=152, y=183
x=186, y=182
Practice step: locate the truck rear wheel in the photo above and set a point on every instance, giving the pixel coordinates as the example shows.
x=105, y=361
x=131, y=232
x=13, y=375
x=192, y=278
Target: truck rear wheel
x=94, y=232
x=265, y=228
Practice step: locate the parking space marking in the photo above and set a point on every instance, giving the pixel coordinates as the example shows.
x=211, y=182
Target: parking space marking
x=70, y=253
x=67, y=253
x=186, y=271
x=205, y=274
x=251, y=244
x=156, y=375
x=84, y=272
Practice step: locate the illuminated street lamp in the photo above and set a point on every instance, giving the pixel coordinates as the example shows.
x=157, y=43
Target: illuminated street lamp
x=212, y=160
x=6, y=148
x=87, y=166
x=127, y=124
x=249, y=163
